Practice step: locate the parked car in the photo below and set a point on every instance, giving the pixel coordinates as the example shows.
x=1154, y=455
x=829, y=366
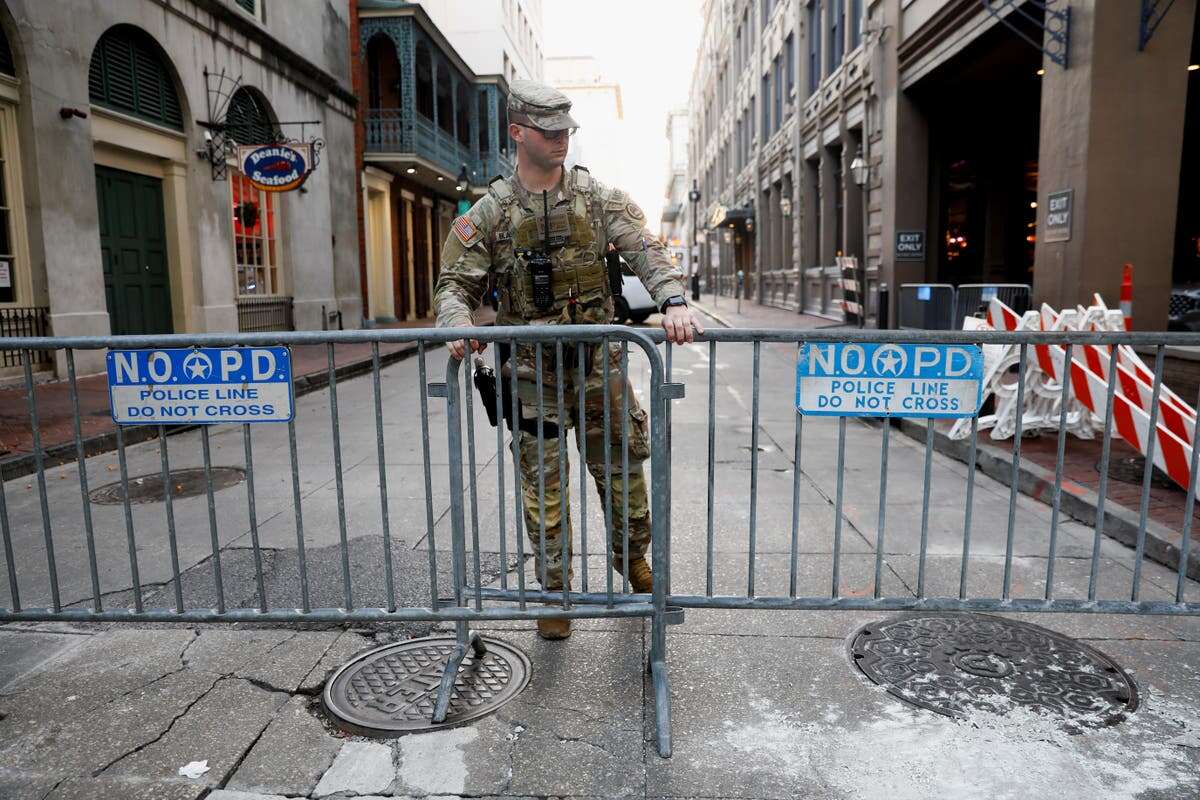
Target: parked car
x=1184, y=310
x=635, y=304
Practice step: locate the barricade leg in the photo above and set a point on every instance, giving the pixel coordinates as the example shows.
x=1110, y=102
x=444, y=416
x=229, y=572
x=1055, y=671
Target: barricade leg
x=466, y=638
x=660, y=477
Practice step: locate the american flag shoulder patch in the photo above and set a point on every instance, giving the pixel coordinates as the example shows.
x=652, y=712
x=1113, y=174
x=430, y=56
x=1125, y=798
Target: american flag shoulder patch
x=465, y=230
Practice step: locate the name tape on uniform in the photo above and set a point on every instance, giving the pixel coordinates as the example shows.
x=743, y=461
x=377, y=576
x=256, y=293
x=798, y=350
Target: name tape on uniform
x=889, y=380
x=207, y=385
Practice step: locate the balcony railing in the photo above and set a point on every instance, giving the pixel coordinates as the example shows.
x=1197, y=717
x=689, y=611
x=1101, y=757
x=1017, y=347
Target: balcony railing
x=388, y=132
x=493, y=165
x=23, y=322
x=385, y=131
x=440, y=147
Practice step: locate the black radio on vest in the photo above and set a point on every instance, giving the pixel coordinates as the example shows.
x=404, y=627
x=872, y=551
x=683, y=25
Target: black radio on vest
x=540, y=265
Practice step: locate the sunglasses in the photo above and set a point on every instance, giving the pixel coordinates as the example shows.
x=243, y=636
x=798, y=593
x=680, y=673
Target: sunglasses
x=551, y=136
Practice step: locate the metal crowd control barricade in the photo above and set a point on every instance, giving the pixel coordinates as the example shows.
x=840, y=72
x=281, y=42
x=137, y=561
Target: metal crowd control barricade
x=103, y=556
x=927, y=306
x=971, y=299
x=811, y=441
x=786, y=556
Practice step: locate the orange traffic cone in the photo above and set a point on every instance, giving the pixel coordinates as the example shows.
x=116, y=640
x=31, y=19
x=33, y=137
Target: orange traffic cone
x=1127, y=295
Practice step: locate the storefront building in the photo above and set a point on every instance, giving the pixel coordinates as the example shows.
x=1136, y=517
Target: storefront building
x=124, y=210
x=1000, y=142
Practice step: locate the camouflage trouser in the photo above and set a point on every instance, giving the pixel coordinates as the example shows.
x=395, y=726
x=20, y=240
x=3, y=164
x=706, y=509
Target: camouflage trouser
x=555, y=504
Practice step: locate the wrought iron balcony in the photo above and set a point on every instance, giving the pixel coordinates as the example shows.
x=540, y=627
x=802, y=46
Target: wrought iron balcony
x=434, y=144
x=492, y=165
x=430, y=114
x=389, y=133
x=385, y=131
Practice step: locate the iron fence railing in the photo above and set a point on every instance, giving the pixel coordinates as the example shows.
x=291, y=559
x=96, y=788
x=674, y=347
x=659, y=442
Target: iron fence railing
x=20, y=322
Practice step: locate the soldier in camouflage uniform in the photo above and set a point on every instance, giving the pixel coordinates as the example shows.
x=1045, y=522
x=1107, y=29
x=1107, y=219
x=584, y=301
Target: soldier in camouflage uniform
x=493, y=242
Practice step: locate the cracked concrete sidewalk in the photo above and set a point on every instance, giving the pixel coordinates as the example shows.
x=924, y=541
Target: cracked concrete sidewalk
x=115, y=713
x=766, y=704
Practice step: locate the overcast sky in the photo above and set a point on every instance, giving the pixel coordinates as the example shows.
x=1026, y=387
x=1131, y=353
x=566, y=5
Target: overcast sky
x=647, y=46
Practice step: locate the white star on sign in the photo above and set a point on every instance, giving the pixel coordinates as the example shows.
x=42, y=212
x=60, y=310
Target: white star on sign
x=197, y=365
x=889, y=360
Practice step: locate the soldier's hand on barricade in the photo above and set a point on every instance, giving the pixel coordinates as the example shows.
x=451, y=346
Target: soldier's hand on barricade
x=681, y=325
x=458, y=347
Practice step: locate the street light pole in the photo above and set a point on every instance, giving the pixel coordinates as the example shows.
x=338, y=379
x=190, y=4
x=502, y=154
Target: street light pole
x=860, y=168
x=694, y=249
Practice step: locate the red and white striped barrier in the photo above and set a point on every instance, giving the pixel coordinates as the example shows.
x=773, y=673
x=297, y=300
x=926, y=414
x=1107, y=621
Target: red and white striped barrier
x=1136, y=385
x=1171, y=454
x=1089, y=374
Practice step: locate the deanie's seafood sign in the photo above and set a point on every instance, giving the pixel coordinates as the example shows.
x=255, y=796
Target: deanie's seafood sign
x=276, y=167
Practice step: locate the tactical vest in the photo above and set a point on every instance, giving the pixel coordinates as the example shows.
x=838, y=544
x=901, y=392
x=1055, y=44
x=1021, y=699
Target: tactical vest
x=575, y=241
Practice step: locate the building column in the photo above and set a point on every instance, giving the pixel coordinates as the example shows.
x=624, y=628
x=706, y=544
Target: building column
x=767, y=261
x=827, y=197
x=1112, y=133
x=185, y=308
x=900, y=167
x=776, y=230
x=787, y=229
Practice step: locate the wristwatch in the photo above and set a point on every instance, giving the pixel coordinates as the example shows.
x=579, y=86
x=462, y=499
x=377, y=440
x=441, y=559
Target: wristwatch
x=673, y=300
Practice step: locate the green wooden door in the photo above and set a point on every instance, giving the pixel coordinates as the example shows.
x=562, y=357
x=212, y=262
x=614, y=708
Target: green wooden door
x=133, y=247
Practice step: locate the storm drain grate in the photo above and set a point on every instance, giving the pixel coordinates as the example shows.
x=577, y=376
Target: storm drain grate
x=183, y=482
x=391, y=690
x=958, y=663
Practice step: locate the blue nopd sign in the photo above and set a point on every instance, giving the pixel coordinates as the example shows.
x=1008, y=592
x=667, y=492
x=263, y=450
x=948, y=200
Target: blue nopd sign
x=204, y=385
x=276, y=167
x=889, y=380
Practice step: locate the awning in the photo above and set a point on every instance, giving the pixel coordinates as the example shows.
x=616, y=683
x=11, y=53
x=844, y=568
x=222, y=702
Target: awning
x=741, y=218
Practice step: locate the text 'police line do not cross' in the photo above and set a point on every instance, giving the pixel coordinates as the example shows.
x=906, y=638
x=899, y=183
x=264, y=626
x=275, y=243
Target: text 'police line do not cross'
x=205, y=385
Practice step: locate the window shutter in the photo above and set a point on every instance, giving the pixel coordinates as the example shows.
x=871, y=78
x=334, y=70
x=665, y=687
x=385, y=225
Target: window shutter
x=251, y=6
x=247, y=120
x=118, y=74
x=96, y=77
x=127, y=74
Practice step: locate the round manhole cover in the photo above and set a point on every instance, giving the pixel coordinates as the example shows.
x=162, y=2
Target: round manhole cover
x=957, y=663
x=391, y=690
x=183, y=483
x=1132, y=469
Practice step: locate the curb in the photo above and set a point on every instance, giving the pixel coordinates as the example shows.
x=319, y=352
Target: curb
x=705, y=310
x=1078, y=502
x=56, y=455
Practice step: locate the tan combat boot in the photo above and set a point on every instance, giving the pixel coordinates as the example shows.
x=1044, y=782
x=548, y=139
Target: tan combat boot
x=554, y=629
x=641, y=580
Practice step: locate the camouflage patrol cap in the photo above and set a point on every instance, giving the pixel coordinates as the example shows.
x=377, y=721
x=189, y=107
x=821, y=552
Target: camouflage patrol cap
x=542, y=106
